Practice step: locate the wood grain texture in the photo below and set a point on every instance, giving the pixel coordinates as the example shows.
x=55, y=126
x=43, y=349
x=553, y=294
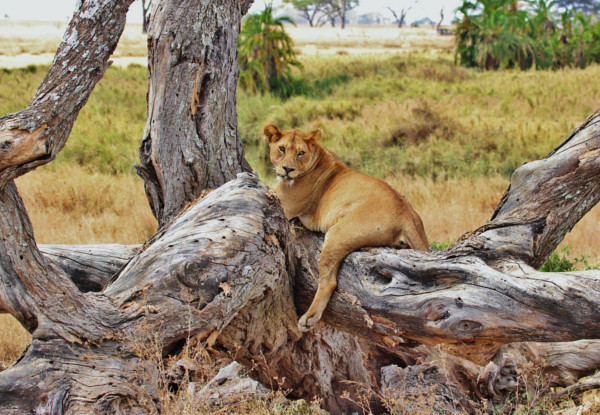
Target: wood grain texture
x=227, y=270
x=90, y=267
x=191, y=142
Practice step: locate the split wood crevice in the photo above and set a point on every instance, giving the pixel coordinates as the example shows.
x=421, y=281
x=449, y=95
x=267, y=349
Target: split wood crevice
x=228, y=271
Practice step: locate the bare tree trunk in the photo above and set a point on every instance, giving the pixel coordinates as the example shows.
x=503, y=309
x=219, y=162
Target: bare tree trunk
x=146, y=4
x=226, y=270
x=400, y=21
x=191, y=141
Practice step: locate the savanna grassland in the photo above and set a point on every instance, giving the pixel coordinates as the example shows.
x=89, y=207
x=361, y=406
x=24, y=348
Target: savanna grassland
x=447, y=137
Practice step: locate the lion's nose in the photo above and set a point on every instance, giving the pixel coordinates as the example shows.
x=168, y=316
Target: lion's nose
x=288, y=170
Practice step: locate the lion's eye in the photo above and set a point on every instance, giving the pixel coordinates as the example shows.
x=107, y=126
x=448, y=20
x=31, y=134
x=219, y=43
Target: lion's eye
x=282, y=149
x=301, y=153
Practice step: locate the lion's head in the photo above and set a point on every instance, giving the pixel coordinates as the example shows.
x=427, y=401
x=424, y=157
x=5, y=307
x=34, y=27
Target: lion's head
x=292, y=151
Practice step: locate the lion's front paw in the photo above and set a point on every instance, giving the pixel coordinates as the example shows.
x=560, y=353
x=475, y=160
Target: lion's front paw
x=308, y=321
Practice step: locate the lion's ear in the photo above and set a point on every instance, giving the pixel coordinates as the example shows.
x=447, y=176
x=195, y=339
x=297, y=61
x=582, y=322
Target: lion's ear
x=273, y=134
x=315, y=135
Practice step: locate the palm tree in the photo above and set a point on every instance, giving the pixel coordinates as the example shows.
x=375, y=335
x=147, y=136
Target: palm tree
x=265, y=52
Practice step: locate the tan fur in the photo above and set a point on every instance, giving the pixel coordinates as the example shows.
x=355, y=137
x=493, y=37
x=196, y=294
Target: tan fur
x=352, y=209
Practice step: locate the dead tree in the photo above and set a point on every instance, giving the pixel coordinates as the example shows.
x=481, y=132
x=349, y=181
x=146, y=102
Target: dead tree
x=226, y=269
x=146, y=4
x=399, y=20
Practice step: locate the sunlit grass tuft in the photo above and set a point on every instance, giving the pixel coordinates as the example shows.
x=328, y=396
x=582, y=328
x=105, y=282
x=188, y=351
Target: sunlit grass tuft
x=14, y=338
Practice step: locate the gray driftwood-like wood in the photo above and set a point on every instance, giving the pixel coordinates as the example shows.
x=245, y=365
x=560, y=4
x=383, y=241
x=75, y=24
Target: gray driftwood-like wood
x=191, y=141
x=90, y=267
x=227, y=271
x=564, y=363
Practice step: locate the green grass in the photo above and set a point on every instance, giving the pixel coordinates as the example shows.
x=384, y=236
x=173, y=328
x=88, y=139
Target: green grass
x=109, y=128
x=422, y=115
x=387, y=115
x=561, y=261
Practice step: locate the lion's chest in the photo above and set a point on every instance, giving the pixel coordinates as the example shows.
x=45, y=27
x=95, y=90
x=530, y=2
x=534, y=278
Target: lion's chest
x=311, y=223
x=318, y=209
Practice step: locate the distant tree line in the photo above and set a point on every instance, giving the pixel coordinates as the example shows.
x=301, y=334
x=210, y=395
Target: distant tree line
x=584, y=6
x=320, y=12
x=496, y=34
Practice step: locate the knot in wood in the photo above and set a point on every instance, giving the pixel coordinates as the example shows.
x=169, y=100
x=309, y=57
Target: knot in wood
x=188, y=271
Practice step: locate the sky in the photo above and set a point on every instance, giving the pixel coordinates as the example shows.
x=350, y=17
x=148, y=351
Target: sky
x=53, y=10
x=419, y=8
x=63, y=9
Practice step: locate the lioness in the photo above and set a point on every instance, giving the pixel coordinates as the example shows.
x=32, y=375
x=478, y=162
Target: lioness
x=353, y=209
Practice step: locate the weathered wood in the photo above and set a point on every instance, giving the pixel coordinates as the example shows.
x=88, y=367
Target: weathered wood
x=90, y=267
x=191, y=142
x=179, y=295
x=55, y=376
x=563, y=363
x=398, y=297
x=225, y=270
x=423, y=389
x=593, y=382
x=546, y=198
x=222, y=272
x=35, y=135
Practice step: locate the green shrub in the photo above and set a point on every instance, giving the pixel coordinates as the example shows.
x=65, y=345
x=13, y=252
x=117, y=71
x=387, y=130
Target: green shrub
x=498, y=34
x=561, y=262
x=439, y=246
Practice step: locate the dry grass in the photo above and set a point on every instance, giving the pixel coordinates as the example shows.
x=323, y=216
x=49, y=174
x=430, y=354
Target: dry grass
x=34, y=43
x=13, y=339
x=36, y=38
x=72, y=206
x=25, y=43
x=449, y=208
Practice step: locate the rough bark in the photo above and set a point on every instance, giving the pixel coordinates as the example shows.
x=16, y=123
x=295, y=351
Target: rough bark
x=33, y=137
x=191, y=141
x=226, y=270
